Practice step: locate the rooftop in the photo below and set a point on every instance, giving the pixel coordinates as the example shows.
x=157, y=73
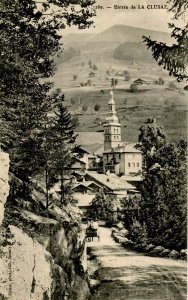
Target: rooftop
x=111, y=181
x=124, y=148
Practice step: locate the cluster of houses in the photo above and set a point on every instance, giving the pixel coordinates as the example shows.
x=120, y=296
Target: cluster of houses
x=114, y=167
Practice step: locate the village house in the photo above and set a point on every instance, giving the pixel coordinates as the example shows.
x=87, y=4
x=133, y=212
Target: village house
x=121, y=172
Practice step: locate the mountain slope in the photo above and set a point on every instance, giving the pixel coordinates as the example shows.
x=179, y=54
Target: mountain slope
x=103, y=44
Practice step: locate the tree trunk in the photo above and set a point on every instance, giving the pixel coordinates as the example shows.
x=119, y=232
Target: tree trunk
x=47, y=189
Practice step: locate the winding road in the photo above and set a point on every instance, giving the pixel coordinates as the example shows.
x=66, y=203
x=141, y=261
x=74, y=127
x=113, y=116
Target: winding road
x=129, y=275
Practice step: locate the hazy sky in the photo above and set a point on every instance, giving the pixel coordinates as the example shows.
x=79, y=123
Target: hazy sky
x=155, y=19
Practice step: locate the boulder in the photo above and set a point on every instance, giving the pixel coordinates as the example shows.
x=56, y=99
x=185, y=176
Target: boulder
x=156, y=251
x=124, y=232
x=173, y=254
x=149, y=247
x=128, y=244
x=120, y=225
x=140, y=247
x=183, y=254
x=165, y=253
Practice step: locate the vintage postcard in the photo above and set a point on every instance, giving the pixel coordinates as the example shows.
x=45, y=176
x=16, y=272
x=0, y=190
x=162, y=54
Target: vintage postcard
x=93, y=156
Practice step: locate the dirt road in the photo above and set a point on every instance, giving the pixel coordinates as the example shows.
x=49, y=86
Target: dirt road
x=128, y=275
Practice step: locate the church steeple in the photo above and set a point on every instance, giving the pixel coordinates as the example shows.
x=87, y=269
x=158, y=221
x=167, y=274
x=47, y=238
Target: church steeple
x=112, y=127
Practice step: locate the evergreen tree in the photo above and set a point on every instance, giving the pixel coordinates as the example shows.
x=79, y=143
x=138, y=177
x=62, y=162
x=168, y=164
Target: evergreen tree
x=29, y=41
x=163, y=203
x=173, y=58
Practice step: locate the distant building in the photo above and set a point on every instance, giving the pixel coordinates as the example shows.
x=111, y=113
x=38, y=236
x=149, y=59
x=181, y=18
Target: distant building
x=119, y=157
x=140, y=81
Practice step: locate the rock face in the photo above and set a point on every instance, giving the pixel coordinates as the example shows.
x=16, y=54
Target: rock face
x=27, y=269
x=42, y=252
x=4, y=186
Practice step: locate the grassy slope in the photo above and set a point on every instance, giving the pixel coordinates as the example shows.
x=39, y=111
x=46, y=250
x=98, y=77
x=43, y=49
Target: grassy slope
x=168, y=106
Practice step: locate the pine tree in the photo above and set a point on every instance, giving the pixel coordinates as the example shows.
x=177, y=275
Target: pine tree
x=163, y=203
x=63, y=136
x=173, y=58
x=29, y=41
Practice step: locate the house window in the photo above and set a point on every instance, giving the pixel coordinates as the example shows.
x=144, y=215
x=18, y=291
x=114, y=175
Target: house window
x=119, y=155
x=137, y=164
x=129, y=165
x=114, y=130
x=117, y=137
x=133, y=164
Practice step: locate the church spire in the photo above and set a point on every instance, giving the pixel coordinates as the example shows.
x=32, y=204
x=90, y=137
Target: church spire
x=112, y=127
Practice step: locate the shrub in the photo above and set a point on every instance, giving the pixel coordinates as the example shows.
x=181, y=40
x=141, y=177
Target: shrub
x=97, y=107
x=84, y=107
x=172, y=85
x=138, y=233
x=133, y=87
x=161, y=81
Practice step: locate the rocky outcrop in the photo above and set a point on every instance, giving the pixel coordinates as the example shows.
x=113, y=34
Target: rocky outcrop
x=27, y=268
x=4, y=185
x=42, y=251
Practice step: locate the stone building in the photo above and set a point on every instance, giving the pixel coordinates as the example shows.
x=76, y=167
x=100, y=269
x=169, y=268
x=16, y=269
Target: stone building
x=119, y=157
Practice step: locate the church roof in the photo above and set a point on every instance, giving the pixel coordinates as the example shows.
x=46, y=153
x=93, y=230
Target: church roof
x=124, y=148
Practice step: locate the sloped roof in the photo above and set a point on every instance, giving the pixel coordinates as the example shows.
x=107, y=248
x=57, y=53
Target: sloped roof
x=124, y=148
x=111, y=181
x=132, y=177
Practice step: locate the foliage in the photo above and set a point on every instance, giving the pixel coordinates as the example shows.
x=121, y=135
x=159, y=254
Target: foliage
x=127, y=75
x=161, y=81
x=114, y=82
x=58, y=147
x=173, y=58
x=97, y=107
x=133, y=87
x=104, y=206
x=163, y=204
x=75, y=76
x=138, y=232
x=90, y=63
x=133, y=51
x=95, y=67
x=84, y=107
x=151, y=138
x=30, y=41
x=92, y=74
x=172, y=85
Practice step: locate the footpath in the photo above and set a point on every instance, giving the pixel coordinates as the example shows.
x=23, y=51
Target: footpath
x=128, y=275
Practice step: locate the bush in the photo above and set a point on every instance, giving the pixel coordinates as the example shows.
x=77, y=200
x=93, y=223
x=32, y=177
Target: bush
x=161, y=81
x=172, y=85
x=138, y=233
x=127, y=75
x=84, y=107
x=97, y=107
x=133, y=87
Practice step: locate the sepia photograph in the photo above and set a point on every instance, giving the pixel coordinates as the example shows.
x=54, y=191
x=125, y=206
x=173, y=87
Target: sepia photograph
x=93, y=149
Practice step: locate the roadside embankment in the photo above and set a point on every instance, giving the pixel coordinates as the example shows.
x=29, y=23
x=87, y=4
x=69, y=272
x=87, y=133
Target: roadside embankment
x=120, y=236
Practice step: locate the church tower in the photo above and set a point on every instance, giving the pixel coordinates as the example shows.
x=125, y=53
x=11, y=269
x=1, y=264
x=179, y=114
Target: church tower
x=112, y=127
